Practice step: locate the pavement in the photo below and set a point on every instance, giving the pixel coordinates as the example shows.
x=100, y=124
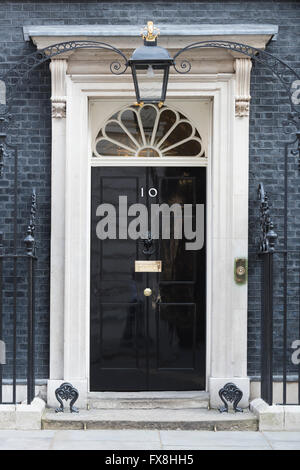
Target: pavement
x=147, y=440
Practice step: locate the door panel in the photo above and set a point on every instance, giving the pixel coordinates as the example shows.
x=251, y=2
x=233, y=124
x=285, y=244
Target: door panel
x=156, y=342
x=177, y=357
x=118, y=322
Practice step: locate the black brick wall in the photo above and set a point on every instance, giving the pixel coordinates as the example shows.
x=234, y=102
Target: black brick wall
x=32, y=132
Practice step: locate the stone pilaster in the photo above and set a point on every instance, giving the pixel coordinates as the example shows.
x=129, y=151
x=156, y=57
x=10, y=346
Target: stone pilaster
x=58, y=169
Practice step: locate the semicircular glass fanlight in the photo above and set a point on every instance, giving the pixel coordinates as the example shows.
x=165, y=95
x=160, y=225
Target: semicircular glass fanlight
x=148, y=131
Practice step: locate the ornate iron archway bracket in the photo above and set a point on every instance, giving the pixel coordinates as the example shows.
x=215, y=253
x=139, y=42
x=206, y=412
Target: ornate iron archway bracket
x=16, y=75
x=285, y=74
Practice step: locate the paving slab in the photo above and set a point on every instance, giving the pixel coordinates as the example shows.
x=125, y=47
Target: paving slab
x=238, y=440
x=104, y=445
x=285, y=440
x=147, y=440
x=26, y=440
x=26, y=444
x=138, y=436
x=26, y=434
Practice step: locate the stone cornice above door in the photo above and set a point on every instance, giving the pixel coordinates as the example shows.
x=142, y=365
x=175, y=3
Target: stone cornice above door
x=173, y=37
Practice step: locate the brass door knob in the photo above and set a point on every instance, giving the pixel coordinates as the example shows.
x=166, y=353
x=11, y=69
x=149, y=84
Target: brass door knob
x=147, y=291
x=240, y=270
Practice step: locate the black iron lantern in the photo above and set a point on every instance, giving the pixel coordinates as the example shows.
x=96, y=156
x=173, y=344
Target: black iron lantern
x=150, y=69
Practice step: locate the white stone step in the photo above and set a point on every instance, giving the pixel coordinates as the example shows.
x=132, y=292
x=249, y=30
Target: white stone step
x=185, y=419
x=148, y=400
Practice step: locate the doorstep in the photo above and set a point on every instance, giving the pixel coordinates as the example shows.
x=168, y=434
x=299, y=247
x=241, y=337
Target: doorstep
x=148, y=400
x=184, y=419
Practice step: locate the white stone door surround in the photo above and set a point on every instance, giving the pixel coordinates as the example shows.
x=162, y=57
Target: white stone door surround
x=227, y=231
x=73, y=85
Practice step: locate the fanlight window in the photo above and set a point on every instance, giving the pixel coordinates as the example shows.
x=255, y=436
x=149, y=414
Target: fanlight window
x=148, y=131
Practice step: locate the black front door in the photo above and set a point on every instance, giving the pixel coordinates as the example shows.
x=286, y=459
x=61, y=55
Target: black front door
x=140, y=342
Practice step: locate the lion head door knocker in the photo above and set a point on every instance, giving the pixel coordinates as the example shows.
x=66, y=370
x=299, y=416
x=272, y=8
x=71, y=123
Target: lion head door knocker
x=230, y=393
x=148, y=248
x=66, y=392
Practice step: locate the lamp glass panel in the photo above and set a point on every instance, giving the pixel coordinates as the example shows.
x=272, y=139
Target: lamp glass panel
x=150, y=87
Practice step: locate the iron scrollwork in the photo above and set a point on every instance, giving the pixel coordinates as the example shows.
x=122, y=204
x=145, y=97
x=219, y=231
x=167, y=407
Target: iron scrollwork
x=15, y=77
x=268, y=236
x=33, y=60
x=66, y=392
x=184, y=66
x=230, y=393
x=286, y=74
x=288, y=77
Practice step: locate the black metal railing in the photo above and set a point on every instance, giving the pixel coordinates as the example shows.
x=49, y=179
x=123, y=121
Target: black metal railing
x=17, y=285
x=280, y=312
x=266, y=250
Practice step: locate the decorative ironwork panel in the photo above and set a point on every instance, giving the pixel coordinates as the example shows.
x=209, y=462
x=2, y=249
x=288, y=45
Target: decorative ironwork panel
x=66, y=392
x=230, y=393
x=267, y=236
